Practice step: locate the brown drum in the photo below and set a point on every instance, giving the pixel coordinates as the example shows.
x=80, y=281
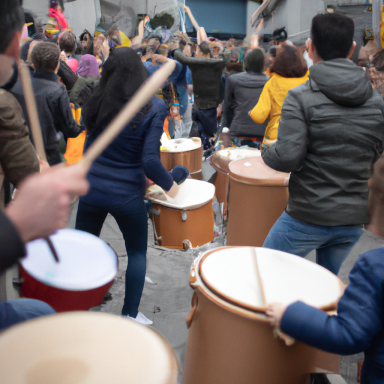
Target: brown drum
x=258, y=196
x=187, y=220
x=220, y=162
x=185, y=152
x=85, y=348
x=230, y=339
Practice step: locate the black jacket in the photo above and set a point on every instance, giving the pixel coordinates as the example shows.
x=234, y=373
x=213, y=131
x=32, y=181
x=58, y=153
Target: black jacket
x=242, y=92
x=54, y=111
x=11, y=246
x=206, y=78
x=330, y=135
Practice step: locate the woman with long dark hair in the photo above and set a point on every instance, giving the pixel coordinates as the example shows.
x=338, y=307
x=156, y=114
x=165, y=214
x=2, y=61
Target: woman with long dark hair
x=117, y=178
x=289, y=70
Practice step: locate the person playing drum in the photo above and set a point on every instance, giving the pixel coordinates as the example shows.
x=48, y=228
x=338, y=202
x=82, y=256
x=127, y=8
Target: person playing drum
x=358, y=325
x=117, y=177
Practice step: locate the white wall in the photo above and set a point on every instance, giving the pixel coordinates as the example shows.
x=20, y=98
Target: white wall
x=81, y=14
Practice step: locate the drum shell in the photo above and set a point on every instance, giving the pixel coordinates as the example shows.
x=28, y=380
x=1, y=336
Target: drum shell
x=61, y=300
x=192, y=160
x=253, y=210
x=221, y=185
x=224, y=347
x=197, y=228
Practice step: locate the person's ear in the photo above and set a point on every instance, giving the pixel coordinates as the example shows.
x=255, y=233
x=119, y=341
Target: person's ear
x=13, y=48
x=311, y=48
x=57, y=68
x=352, y=50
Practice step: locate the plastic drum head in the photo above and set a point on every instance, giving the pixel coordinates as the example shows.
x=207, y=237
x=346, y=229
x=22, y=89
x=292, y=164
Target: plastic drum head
x=231, y=273
x=86, y=262
x=238, y=153
x=192, y=194
x=85, y=348
x=181, y=145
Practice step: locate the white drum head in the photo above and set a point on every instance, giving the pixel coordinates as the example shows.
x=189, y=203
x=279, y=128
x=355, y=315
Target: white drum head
x=239, y=153
x=86, y=262
x=192, y=194
x=85, y=348
x=181, y=145
x=231, y=274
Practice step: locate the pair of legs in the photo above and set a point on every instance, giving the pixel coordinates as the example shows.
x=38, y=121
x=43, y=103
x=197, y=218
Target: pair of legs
x=16, y=311
x=206, y=119
x=332, y=244
x=132, y=220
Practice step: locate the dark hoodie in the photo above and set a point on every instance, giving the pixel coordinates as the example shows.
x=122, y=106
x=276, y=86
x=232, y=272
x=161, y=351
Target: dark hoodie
x=330, y=135
x=242, y=92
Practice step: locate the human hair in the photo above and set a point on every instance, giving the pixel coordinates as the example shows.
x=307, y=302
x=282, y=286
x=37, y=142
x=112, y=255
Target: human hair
x=378, y=60
x=332, y=35
x=11, y=21
x=163, y=49
x=162, y=19
x=289, y=62
x=255, y=61
x=205, y=48
x=45, y=56
x=67, y=42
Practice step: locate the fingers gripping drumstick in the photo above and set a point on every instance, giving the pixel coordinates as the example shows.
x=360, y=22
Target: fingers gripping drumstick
x=32, y=111
x=138, y=101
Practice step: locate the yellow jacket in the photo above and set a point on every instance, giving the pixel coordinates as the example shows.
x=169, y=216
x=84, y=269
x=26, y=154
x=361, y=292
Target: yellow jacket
x=271, y=102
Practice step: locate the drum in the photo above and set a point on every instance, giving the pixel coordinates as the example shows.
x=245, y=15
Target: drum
x=185, y=152
x=258, y=197
x=220, y=162
x=187, y=220
x=230, y=339
x=79, y=281
x=85, y=348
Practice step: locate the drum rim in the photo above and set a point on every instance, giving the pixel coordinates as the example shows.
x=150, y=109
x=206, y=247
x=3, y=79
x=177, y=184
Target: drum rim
x=186, y=150
x=253, y=309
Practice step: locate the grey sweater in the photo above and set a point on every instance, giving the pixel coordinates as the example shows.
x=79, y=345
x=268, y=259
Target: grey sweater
x=242, y=93
x=330, y=135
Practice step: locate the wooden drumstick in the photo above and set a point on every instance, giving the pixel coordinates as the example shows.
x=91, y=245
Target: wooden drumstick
x=138, y=101
x=32, y=111
x=254, y=254
x=52, y=248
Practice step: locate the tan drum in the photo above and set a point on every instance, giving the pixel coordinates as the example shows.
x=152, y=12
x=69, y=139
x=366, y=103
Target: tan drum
x=230, y=339
x=220, y=162
x=187, y=220
x=258, y=197
x=185, y=152
x=85, y=348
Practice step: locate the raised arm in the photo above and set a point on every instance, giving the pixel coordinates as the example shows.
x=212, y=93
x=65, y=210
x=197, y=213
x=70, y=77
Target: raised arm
x=136, y=41
x=193, y=20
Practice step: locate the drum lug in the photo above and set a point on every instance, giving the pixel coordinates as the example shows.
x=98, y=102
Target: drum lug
x=18, y=281
x=184, y=216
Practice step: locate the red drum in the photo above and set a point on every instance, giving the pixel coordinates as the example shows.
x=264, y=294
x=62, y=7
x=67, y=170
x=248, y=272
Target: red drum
x=85, y=348
x=79, y=281
x=230, y=339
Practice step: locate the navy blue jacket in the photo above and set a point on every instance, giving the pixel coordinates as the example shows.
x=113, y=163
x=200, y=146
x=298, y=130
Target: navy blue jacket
x=358, y=325
x=118, y=175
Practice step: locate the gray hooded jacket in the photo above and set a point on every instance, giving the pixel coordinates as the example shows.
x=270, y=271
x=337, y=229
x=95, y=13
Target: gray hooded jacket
x=242, y=93
x=330, y=135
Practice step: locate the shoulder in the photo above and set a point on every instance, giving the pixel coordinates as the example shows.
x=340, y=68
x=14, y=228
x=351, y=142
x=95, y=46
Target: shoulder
x=9, y=106
x=372, y=261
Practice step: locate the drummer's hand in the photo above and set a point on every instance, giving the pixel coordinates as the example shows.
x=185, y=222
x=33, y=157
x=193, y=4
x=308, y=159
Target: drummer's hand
x=173, y=191
x=275, y=312
x=43, y=202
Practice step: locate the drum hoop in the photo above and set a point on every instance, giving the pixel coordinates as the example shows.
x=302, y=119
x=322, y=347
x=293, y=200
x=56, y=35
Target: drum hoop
x=179, y=152
x=256, y=310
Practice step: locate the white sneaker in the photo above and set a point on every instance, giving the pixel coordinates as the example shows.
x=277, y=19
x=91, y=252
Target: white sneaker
x=140, y=318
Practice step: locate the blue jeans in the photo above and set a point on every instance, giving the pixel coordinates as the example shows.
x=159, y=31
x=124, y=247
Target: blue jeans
x=132, y=220
x=332, y=244
x=16, y=311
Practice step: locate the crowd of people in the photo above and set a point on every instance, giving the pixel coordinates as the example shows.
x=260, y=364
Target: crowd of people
x=311, y=110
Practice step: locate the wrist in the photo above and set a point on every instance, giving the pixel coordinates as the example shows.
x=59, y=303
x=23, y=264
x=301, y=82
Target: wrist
x=18, y=221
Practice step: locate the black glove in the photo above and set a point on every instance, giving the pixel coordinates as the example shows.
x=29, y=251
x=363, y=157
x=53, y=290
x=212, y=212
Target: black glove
x=179, y=174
